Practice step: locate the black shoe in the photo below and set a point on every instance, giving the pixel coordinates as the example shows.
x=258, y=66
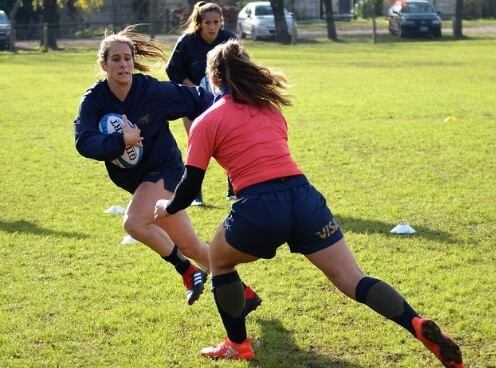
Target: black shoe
x=194, y=280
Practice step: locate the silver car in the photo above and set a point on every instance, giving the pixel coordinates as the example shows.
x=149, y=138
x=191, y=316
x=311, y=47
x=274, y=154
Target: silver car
x=256, y=21
x=5, y=30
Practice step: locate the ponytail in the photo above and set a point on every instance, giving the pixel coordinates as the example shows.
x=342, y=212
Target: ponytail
x=141, y=47
x=230, y=65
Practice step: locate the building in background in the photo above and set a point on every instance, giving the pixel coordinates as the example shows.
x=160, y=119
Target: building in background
x=314, y=9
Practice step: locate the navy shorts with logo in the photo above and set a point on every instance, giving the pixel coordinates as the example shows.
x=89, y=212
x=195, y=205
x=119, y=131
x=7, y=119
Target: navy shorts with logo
x=286, y=210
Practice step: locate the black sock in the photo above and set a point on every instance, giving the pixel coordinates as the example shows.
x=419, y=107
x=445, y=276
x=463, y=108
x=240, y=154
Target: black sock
x=177, y=260
x=386, y=301
x=230, y=300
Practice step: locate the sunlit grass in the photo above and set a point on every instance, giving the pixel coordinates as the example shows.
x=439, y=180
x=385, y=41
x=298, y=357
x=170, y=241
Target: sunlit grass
x=367, y=126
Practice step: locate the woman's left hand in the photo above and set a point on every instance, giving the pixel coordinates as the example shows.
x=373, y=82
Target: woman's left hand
x=160, y=208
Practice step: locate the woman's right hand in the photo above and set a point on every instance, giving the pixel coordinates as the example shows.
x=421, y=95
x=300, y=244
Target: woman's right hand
x=132, y=134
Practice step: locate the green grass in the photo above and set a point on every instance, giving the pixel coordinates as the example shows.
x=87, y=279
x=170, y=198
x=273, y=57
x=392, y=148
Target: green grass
x=368, y=129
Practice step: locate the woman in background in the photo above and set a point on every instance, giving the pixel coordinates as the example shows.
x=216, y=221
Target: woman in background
x=204, y=30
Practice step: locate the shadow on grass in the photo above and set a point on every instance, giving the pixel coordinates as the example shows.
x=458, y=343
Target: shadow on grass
x=361, y=226
x=25, y=227
x=278, y=350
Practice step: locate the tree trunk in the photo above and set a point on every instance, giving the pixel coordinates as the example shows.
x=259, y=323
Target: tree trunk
x=282, y=34
x=72, y=11
x=13, y=13
x=374, y=29
x=51, y=18
x=331, y=26
x=457, y=21
x=15, y=8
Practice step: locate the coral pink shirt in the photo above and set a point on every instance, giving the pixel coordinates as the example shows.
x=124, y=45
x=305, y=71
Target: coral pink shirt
x=250, y=143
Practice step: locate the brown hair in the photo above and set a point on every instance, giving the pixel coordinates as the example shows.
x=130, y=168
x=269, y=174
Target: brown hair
x=248, y=82
x=192, y=24
x=139, y=44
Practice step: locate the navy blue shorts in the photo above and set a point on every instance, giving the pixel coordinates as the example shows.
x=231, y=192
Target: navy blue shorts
x=171, y=175
x=287, y=210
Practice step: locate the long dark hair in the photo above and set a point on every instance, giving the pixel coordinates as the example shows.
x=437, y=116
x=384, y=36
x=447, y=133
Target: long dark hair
x=192, y=24
x=141, y=46
x=248, y=82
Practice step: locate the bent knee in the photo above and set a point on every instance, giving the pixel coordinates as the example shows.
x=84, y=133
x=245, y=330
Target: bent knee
x=133, y=226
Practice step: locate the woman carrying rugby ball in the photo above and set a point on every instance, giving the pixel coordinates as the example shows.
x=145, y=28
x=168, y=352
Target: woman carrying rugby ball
x=149, y=104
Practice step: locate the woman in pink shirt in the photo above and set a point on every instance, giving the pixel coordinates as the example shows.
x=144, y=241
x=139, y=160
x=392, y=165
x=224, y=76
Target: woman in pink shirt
x=245, y=131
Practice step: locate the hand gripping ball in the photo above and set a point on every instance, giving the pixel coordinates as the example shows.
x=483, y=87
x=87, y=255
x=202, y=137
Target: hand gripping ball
x=111, y=123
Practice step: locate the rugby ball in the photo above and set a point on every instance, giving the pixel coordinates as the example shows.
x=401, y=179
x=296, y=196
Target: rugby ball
x=111, y=123
x=205, y=84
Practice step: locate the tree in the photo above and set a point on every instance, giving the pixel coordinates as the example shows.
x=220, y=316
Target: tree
x=282, y=34
x=331, y=26
x=50, y=17
x=12, y=14
x=457, y=21
x=51, y=22
x=72, y=11
x=370, y=9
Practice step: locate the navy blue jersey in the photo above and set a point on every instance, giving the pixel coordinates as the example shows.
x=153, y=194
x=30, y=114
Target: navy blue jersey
x=189, y=58
x=150, y=104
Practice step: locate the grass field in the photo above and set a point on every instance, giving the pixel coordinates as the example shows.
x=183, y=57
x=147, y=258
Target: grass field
x=368, y=127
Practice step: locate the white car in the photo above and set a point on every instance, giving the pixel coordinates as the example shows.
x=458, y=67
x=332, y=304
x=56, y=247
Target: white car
x=256, y=20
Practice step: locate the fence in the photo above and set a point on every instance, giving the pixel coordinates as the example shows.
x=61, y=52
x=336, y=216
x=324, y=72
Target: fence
x=171, y=21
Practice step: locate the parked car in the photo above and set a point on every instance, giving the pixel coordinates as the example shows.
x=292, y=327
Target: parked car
x=414, y=17
x=256, y=20
x=5, y=29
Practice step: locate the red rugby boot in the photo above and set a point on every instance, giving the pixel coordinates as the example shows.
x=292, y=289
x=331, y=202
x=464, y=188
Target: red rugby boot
x=440, y=344
x=230, y=350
